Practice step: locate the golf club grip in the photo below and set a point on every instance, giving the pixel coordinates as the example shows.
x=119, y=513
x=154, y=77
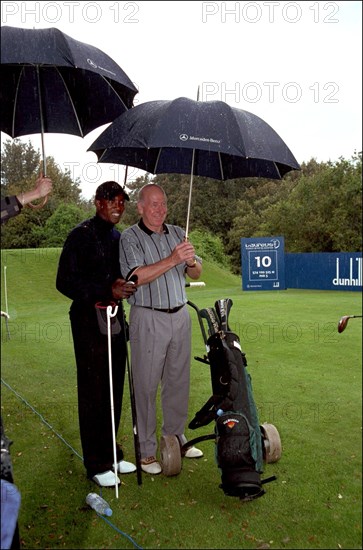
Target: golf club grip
x=132, y=401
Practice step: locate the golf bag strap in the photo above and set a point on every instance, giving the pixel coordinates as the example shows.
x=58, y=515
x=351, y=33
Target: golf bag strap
x=205, y=415
x=233, y=373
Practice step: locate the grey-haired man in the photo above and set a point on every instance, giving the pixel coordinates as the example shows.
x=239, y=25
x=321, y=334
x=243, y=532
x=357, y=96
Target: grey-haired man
x=160, y=324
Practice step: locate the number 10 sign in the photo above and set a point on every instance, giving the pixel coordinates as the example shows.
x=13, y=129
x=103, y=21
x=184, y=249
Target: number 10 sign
x=263, y=263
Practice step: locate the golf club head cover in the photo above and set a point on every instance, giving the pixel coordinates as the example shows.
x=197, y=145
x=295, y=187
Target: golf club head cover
x=101, y=311
x=223, y=307
x=210, y=315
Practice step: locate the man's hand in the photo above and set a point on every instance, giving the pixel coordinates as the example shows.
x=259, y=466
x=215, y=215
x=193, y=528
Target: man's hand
x=43, y=186
x=41, y=190
x=183, y=252
x=123, y=289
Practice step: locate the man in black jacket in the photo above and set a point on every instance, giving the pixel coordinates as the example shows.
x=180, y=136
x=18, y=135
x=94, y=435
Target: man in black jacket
x=89, y=274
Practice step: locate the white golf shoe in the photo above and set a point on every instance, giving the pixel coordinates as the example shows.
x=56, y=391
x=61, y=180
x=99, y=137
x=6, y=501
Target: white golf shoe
x=193, y=452
x=124, y=467
x=150, y=465
x=106, y=479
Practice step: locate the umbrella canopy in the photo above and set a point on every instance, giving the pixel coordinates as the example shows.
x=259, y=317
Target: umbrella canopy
x=202, y=138
x=53, y=83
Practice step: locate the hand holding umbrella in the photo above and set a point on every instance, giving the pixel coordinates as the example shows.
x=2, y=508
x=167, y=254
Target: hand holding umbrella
x=41, y=191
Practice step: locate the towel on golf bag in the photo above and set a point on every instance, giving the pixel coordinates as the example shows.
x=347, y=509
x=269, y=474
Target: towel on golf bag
x=239, y=452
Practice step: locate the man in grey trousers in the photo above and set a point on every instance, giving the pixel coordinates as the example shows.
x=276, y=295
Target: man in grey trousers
x=158, y=257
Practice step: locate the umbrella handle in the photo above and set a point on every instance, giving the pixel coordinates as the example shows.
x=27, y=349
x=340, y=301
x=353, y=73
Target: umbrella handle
x=40, y=205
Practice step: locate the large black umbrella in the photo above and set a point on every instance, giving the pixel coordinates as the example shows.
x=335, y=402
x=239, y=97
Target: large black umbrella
x=202, y=138
x=53, y=83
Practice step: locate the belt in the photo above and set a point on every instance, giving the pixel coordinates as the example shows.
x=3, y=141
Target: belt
x=172, y=310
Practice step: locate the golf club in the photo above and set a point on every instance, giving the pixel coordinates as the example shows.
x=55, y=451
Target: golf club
x=109, y=315
x=132, y=401
x=210, y=315
x=195, y=284
x=342, y=325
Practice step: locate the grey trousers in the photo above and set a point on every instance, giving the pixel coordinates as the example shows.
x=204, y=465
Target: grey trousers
x=160, y=354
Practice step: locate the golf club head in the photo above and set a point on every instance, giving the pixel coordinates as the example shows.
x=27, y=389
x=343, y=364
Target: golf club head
x=210, y=315
x=223, y=307
x=342, y=325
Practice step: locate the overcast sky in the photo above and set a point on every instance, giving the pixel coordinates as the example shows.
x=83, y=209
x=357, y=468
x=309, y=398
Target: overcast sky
x=297, y=65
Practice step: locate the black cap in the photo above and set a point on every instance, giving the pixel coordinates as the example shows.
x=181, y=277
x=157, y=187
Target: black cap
x=109, y=190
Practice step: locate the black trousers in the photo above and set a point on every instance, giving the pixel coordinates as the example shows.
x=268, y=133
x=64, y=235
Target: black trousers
x=94, y=403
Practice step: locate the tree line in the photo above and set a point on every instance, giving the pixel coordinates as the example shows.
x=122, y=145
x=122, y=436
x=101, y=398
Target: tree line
x=316, y=209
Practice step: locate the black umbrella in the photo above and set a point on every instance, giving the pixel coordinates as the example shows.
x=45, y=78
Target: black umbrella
x=53, y=83
x=202, y=138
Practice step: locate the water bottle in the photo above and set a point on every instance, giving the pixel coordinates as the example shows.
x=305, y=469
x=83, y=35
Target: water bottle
x=96, y=502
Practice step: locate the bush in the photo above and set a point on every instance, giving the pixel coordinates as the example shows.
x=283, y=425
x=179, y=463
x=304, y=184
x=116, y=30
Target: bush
x=59, y=224
x=209, y=247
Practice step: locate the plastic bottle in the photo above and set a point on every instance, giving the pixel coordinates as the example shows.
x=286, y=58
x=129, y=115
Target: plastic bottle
x=98, y=504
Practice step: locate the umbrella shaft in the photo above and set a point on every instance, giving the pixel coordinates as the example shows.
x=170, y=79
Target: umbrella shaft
x=41, y=124
x=190, y=197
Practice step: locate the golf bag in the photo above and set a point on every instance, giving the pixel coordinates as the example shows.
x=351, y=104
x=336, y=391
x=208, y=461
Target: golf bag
x=238, y=440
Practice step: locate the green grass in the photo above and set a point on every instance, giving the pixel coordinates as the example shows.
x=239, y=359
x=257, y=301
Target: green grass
x=306, y=381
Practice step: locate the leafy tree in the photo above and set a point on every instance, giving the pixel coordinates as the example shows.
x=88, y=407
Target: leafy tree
x=317, y=210
x=323, y=213
x=20, y=168
x=59, y=224
x=209, y=247
x=22, y=231
x=212, y=201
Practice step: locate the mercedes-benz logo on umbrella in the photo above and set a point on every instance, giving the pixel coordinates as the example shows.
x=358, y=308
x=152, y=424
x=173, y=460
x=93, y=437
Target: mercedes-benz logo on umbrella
x=184, y=137
x=92, y=63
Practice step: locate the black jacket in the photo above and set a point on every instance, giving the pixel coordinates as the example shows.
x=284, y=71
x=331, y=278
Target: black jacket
x=89, y=262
